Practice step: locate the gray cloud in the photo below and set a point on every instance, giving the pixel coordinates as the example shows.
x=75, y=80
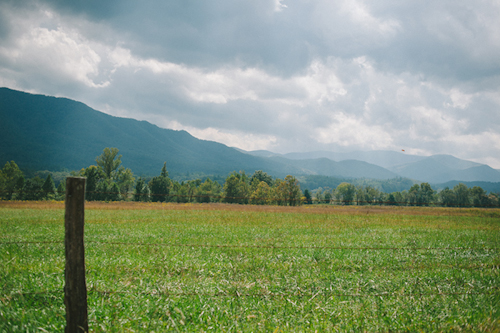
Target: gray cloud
x=268, y=74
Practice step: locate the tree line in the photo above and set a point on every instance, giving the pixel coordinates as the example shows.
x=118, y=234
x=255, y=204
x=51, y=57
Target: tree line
x=418, y=195
x=108, y=180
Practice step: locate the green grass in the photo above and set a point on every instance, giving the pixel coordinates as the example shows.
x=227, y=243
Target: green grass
x=264, y=270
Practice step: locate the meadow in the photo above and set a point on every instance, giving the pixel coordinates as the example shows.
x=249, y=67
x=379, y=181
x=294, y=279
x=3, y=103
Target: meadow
x=231, y=268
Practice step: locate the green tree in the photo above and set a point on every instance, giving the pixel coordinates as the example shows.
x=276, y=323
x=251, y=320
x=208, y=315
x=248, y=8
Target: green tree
x=114, y=193
x=182, y=192
x=372, y=195
x=61, y=190
x=479, y=197
x=327, y=197
x=261, y=177
x=391, y=200
x=11, y=180
x=94, y=175
x=360, y=196
x=236, y=189
x=208, y=191
x=49, y=188
x=277, y=194
x=414, y=195
x=308, y=197
x=102, y=191
x=462, y=195
x=33, y=189
x=261, y=195
x=160, y=186
x=447, y=197
x=426, y=194
x=346, y=193
x=160, y=189
x=164, y=172
x=318, y=195
x=494, y=199
x=125, y=181
x=290, y=190
x=141, y=191
x=109, y=161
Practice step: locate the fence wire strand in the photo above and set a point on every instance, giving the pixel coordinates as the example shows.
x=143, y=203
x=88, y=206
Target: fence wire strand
x=236, y=293
x=245, y=246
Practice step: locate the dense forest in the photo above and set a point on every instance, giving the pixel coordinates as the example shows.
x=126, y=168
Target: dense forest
x=108, y=180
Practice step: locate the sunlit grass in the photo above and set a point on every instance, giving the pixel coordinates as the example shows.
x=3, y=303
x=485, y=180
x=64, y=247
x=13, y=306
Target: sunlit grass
x=157, y=267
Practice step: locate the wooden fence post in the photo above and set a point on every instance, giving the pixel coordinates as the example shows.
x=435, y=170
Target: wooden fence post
x=75, y=288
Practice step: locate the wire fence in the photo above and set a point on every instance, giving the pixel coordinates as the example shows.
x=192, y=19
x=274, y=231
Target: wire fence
x=237, y=293
x=284, y=293
x=248, y=246
x=308, y=294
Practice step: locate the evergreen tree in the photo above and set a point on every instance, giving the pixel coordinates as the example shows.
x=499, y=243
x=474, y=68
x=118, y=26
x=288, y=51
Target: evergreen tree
x=308, y=197
x=231, y=189
x=236, y=188
x=49, y=187
x=164, y=172
x=94, y=175
x=141, y=190
x=391, y=200
x=160, y=186
x=33, y=189
x=61, y=190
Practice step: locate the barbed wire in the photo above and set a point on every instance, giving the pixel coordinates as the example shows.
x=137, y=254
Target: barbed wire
x=237, y=293
x=248, y=246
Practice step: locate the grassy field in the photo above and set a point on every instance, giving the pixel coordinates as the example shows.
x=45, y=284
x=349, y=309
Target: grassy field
x=230, y=268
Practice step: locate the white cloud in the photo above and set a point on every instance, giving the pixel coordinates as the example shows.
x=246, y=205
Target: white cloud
x=279, y=6
x=458, y=99
x=348, y=130
x=361, y=16
x=56, y=51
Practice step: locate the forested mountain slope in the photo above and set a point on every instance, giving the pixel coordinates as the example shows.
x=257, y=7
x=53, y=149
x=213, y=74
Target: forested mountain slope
x=42, y=132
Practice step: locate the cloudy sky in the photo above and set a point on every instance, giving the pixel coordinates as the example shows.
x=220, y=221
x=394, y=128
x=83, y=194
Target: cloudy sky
x=281, y=75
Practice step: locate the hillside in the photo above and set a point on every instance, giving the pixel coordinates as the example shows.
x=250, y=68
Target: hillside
x=382, y=158
x=433, y=169
x=445, y=168
x=42, y=132
x=346, y=169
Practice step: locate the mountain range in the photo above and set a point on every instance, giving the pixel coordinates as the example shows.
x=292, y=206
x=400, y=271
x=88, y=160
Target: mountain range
x=433, y=169
x=42, y=132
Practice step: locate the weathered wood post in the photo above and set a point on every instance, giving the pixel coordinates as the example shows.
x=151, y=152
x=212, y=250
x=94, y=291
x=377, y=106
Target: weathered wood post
x=75, y=288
